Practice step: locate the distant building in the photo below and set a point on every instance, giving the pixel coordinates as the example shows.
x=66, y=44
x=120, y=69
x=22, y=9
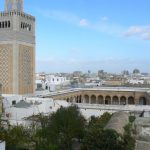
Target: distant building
x=136, y=81
x=39, y=85
x=136, y=71
x=112, y=82
x=54, y=83
x=40, y=76
x=17, y=49
x=77, y=73
x=52, y=79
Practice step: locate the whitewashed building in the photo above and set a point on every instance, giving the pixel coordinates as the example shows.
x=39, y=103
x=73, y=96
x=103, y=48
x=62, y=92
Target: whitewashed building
x=18, y=108
x=2, y=145
x=54, y=83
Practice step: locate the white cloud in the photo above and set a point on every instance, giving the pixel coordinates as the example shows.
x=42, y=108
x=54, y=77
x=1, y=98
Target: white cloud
x=104, y=18
x=67, y=17
x=146, y=36
x=104, y=26
x=101, y=26
x=142, y=32
x=83, y=22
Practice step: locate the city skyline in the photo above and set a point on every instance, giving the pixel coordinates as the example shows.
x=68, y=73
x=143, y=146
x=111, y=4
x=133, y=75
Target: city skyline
x=86, y=35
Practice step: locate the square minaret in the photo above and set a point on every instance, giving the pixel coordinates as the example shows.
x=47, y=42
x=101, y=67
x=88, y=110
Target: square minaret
x=17, y=49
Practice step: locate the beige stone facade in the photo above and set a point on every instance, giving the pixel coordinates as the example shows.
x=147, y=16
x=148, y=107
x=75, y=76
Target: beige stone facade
x=6, y=67
x=17, y=68
x=26, y=67
x=0, y=100
x=108, y=97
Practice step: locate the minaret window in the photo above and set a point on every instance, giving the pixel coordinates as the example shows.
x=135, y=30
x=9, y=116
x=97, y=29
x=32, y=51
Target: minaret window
x=5, y=24
x=25, y=26
x=29, y=27
x=8, y=24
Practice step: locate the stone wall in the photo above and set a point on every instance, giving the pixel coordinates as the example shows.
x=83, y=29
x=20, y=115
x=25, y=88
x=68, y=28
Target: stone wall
x=142, y=145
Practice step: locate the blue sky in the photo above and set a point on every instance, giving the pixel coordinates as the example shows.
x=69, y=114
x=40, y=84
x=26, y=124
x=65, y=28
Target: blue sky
x=112, y=35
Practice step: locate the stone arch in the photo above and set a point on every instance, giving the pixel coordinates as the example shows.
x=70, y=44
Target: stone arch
x=80, y=99
x=86, y=98
x=71, y=100
x=93, y=99
x=123, y=100
x=142, y=101
x=77, y=99
x=115, y=100
x=100, y=99
x=131, y=100
x=107, y=100
x=68, y=100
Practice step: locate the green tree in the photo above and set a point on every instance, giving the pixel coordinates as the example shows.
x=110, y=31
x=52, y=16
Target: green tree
x=96, y=138
x=132, y=119
x=100, y=122
x=99, y=139
x=53, y=132
x=63, y=127
x=15, y=137
x=129, y=140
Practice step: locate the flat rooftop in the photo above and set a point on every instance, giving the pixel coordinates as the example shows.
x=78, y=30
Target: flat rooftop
x=117, y=89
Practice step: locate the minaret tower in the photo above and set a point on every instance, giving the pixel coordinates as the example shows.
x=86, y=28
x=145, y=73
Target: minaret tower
x=17, y=49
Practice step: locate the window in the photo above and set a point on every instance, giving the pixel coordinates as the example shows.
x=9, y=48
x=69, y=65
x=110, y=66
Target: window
x=14, y=102
x=25, y=26
x=30, y=28
x=8, y=24
x=5, y=24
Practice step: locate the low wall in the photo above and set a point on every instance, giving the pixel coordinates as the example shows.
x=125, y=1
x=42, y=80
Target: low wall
x=142, y=145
